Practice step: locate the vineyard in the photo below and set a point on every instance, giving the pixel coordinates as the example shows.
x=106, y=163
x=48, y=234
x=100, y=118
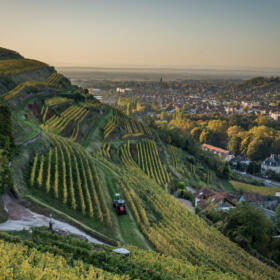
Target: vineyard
x=174, y=152
x=69, y=175
x=182, y=234
x=20, y=262
x=133, y=128
x=243, y=187
x=58, y=81
x=149, y=161
x=52, y=101
x=142, y=264
x=58, y=123
x=55, y=174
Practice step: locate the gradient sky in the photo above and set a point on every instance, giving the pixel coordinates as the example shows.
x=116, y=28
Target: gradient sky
x=190, y=33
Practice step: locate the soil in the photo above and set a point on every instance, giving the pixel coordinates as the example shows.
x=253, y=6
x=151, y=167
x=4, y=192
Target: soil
x=21, y=218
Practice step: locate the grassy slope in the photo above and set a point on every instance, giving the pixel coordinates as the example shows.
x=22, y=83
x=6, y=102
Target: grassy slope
x=15, y=66
x=243, y=187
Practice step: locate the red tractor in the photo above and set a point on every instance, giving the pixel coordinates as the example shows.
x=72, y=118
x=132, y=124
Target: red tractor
x=119, y=205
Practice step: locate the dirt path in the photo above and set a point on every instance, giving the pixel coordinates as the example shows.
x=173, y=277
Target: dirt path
x=21, y=218
x=187, y=203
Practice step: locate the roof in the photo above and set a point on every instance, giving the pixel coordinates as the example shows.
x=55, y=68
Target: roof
x=216, y=197
x=273, y=160
x=251, y=197
x=215, y=149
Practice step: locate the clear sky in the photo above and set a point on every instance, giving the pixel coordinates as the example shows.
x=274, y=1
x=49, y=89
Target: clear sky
x=189, y=33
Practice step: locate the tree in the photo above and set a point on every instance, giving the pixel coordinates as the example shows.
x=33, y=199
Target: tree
x=207, y=136
x=259, y=148
x=234, y=145
x=195, y=133
x=6, y=181
x=248, y=226
x=244, y=145
x=234, y=130
x=219, y=128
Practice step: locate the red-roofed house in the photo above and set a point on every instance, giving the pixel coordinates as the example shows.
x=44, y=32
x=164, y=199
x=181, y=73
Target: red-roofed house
x=218, y=151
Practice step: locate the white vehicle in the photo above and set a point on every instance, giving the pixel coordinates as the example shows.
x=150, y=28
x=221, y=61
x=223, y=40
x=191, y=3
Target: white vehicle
x=267, y=181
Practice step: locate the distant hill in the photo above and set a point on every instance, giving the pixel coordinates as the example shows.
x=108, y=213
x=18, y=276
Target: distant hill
x=260, y=82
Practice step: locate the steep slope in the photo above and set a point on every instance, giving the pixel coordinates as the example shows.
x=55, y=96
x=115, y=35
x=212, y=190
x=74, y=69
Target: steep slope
x=8, y=54
x=75, y=153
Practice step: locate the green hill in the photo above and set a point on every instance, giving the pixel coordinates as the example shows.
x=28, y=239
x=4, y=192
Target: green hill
x=8, y=54
x=74, y=153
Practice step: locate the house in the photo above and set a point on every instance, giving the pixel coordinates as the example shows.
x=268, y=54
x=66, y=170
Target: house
x=222, y=200
x=239, y=163
x=218, y=151
x=271, y=163
x=253, y=198
x=275, y=116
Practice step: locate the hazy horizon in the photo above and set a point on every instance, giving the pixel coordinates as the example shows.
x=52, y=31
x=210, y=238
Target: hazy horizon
x=157, y=33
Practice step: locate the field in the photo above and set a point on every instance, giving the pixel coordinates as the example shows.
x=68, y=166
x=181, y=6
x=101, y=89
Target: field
x=243, y=187
x=69, y=175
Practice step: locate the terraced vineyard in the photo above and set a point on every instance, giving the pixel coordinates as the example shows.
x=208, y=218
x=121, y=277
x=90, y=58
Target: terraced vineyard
x=57, y=123
x=132, y=127
x=78, y=183
x=126, y=157
x=69, y=175
x=149, y=161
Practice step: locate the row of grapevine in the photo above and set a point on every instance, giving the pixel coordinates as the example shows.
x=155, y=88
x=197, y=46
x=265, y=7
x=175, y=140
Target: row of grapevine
x=134, y=204
x=69, y=175
x=182, y=234
x=56, y=100
x=105, y=150
x=58, y=123
x=174, y=152
x=149, y=161
x=132, y=126
x=126, y=157
x=21, y=262
x=75, y=131
x=110, y=126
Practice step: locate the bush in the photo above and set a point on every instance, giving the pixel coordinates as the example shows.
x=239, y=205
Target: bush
x=186, y=195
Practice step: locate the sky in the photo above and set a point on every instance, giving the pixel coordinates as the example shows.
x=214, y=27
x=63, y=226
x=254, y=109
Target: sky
x=152, y=33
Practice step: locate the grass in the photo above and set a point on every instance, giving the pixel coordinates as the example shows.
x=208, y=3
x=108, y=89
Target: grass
x=76, y=222
x=128, y=228
x=12, y=93
x=99, y=123
x=15, y=66
x=243, y=187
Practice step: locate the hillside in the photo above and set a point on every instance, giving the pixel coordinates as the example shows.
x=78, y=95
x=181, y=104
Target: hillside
x=74, y=153
x=8, y=54
x=260, y=83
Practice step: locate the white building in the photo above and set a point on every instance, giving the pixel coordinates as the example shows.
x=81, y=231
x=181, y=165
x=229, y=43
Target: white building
x=124, y=90
x=275, y=116
x=271, y=163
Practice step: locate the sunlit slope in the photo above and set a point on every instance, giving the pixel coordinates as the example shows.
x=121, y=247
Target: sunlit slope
x=75, y=153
